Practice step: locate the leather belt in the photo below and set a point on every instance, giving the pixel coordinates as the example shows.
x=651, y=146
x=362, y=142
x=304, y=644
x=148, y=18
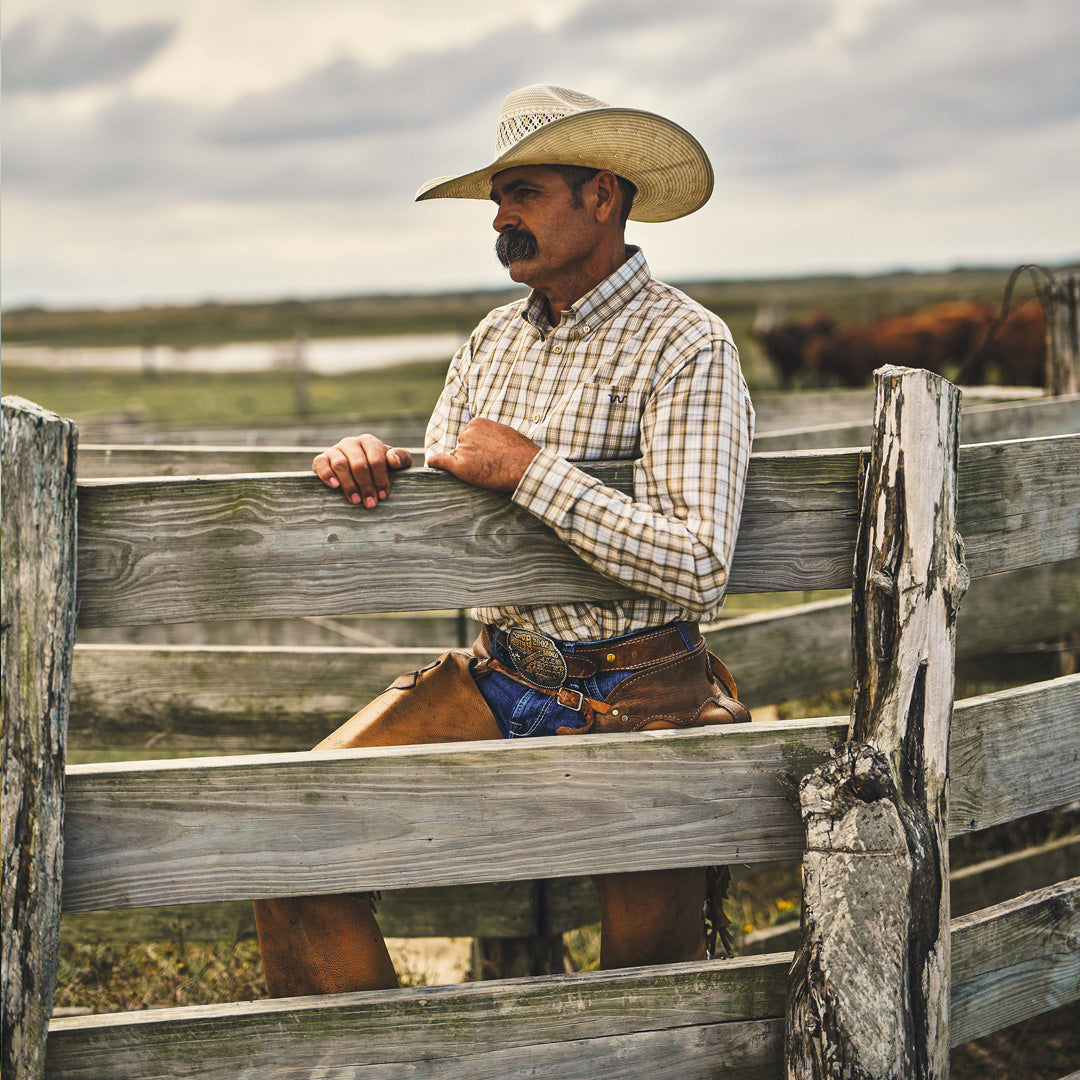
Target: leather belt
x=633, y=654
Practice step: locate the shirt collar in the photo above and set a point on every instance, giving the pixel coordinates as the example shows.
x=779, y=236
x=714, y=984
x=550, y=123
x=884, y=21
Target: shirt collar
x=614, y=292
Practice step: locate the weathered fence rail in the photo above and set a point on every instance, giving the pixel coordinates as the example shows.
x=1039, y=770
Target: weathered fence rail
x=777, y=410
x=238, y=548
x=981, y=423
x=206, y=829
x=145, y=833
x=1028, y=418
x=728, y=1018
x=550, y=906
x=246, y=698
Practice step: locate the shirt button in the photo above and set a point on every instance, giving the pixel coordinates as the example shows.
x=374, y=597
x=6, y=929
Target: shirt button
x=557, y=349
x=537, y=417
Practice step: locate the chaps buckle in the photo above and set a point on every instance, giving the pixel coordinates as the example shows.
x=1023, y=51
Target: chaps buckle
x=570, y=699
x=537, y=658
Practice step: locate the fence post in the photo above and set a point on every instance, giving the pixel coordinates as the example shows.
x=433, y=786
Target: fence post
x=38, y=637
x=868, y=992
x=1063, y=335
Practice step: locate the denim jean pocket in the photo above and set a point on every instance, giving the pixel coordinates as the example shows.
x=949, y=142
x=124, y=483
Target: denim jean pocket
x=529, y=714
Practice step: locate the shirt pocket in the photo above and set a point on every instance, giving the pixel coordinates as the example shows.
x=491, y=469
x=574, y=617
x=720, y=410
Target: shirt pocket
x=598, y=421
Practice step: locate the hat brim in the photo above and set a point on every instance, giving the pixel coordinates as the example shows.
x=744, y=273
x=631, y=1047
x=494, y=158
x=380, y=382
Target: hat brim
x=666, y=164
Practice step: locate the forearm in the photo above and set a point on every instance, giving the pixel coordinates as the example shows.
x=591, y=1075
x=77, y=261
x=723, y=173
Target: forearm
x=671, y=552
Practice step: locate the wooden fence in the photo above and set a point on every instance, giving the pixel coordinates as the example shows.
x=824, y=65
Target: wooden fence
x=777, y=411
x=192, y=831
x=214, y=451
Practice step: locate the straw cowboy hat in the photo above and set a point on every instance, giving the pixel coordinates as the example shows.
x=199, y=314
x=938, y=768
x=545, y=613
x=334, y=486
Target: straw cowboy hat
x=549, y=125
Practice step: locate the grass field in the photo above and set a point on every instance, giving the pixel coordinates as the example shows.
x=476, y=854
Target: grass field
x=172, y=397
x=848, y=297
x=203, y=399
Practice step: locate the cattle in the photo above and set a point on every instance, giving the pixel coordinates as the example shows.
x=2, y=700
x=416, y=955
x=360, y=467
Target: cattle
x=939, y=338
x=785, y=343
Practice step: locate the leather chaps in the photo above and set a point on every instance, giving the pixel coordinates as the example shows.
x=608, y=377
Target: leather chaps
x=332, y=944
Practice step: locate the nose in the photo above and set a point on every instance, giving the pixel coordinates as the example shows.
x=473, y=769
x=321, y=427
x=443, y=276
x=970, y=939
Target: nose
x=505, y=219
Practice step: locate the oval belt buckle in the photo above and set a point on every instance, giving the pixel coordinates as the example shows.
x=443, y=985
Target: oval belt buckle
x=537, y=658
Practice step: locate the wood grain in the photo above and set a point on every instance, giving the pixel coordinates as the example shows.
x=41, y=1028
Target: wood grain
x=97, y=460
x=225, y=699
x=232, y=700
x=978, y=424
x=39, y=450
x=510, y=908
x=231, y=828
x=981, y=423
x=1014, y=753
x=868, y=992
x=549, y=1024
x=141, y=834
x=1015, y=960
x=673, y=1021
x=274, y=545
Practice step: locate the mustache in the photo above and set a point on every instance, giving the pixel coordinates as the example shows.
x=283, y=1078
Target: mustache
x=516, y=244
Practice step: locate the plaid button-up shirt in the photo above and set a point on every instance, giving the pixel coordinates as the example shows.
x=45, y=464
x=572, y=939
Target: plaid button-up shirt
x=635, y=369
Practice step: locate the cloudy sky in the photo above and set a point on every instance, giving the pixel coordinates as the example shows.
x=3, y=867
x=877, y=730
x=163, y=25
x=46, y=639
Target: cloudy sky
x=195, y=149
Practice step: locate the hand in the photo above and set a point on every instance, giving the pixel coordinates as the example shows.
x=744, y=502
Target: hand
x=488, y=455
x=360, y=465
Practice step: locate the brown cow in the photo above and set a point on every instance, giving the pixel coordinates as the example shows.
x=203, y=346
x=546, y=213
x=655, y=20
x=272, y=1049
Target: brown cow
x=937, y=338
x=785, y=343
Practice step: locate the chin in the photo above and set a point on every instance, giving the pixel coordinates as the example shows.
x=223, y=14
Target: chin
x=519, y=271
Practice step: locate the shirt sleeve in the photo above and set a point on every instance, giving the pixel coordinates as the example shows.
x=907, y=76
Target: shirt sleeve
x=451, y=412
x=673, y=539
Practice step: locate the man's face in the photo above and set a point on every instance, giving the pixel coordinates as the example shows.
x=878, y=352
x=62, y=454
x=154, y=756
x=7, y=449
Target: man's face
x=544, y=240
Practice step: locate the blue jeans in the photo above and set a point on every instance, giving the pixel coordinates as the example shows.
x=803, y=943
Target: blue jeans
x=523, y=712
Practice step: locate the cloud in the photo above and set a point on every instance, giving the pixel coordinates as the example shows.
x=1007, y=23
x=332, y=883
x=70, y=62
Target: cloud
x=816, y=113
x=43, y=58
x=347, y=98
x=781, y=92
x=917, y=86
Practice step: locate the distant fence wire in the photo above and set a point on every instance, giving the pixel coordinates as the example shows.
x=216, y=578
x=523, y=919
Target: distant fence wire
x=1043, y=280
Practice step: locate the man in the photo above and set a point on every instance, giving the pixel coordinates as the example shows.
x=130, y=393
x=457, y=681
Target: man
x=600, y=361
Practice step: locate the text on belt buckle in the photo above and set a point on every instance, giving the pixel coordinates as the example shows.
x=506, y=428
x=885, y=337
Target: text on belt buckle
x=537, y=658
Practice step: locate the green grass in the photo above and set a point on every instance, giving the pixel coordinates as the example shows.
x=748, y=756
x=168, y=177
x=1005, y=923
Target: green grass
x=125, y=976
x=847, y=297
x=205, y=399
x=185, y=326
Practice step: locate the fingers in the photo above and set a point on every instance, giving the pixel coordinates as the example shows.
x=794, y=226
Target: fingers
x=440, y=461
x=360, y=466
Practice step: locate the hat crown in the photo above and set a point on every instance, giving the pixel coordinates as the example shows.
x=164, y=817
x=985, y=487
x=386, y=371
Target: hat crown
x=531, y=108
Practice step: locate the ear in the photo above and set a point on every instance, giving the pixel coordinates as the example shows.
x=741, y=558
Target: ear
x=607, y=196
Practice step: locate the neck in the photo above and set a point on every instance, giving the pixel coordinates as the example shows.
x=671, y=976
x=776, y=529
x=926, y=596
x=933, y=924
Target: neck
x=571, y=288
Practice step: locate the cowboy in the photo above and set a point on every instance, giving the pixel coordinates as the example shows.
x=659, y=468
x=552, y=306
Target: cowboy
x=599, y=361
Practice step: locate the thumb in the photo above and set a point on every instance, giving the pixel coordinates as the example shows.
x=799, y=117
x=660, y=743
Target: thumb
x=399, y=458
